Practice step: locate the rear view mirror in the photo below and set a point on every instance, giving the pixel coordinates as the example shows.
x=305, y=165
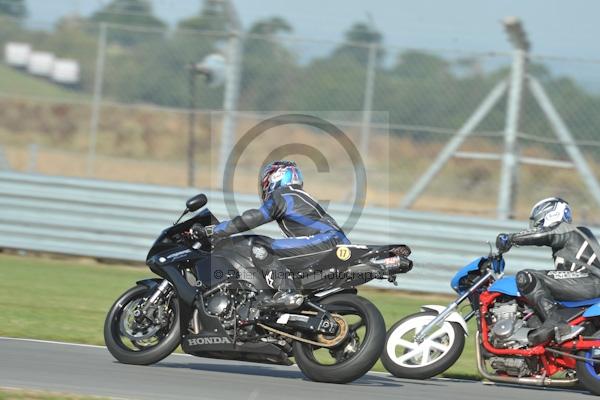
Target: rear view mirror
x=196, y=202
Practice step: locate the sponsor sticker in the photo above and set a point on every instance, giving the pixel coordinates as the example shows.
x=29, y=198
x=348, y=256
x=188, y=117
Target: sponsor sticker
x=343, y=253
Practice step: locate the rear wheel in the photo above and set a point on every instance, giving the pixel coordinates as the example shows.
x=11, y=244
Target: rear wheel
x=440, y=349
x=135, y=339
x=356, y=354
x=588, y=373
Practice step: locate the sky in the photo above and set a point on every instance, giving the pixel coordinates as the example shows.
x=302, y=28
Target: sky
x=561, y=28
x=557, y=27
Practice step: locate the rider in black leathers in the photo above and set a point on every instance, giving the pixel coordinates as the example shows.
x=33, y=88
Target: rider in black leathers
x=576, y=277
x=311, y=231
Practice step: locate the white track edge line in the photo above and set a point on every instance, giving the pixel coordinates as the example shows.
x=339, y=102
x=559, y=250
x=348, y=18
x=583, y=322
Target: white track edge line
x=95, y=346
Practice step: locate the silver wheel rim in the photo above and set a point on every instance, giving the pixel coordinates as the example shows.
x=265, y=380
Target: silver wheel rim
x=130, y=329
x=434, y=347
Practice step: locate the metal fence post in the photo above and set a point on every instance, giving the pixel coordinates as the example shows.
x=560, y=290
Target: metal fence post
x=566, y=138
x=448, y=151
x=192, y=129
x=507, y=191
x=510, y=159
x=33, y=158
x=232, y=89
x=96, y=99
x=4, y=164
x=368, y=101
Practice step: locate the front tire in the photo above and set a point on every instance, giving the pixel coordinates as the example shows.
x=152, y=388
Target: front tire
x=438, y=352
x=356, y=355
x=139, y=352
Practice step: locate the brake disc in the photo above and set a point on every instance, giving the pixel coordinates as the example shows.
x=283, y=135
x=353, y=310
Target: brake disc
x=131, y=328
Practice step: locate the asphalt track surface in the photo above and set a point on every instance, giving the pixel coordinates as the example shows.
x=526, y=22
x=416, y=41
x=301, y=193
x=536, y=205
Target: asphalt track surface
x=82, y=369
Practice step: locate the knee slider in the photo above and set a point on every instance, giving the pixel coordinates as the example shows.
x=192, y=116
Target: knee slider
x=526, y=282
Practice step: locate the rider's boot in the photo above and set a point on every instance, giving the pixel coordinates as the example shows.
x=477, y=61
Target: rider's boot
x=283, y=300
x=554, y=327
x=287, y=296
x=277, y=277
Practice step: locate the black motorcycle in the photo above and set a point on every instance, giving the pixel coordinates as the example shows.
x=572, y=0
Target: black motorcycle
x=207, y=302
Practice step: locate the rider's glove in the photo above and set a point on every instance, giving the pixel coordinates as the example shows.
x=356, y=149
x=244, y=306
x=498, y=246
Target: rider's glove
x=203, y=234
x=197, y=232
x=503, y=242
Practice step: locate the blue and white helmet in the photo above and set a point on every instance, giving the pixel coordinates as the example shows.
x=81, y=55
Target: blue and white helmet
x=550, y=212
x=278, y=174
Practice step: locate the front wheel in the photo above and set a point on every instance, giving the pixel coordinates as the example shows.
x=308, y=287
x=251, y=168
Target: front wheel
x=356, y=354
x=132, y=338
x=405, y=358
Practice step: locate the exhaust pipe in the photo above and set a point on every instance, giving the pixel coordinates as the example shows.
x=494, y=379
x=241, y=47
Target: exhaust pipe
x=539, y=381
x=393, y=265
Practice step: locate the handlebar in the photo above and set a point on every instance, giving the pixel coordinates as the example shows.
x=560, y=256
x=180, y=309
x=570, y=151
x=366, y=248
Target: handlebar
x=495, y=262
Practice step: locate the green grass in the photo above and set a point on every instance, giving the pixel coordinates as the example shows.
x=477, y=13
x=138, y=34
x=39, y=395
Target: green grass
x=21, y=83
x=18, y=394
x=67, y=300
x=59, y=300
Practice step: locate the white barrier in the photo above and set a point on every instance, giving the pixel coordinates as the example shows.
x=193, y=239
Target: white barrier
x=65, y=71
x=41, y=63
x=17, y=54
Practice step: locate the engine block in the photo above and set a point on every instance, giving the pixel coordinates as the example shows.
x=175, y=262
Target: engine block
x=508, y=329
x=513, y=366
x=503, y=311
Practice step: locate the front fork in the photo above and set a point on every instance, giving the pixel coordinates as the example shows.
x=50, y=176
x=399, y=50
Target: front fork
x=159, y=290
x=450, y=310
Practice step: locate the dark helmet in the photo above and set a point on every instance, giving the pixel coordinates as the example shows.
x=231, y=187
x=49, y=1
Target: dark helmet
x=550, y=212
x=278, y=174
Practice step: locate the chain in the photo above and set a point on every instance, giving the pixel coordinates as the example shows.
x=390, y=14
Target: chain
x=334, y=342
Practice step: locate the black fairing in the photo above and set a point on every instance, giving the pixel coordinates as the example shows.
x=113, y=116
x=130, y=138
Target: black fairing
x=165, y=239
x=332, y=272
x=231, y=257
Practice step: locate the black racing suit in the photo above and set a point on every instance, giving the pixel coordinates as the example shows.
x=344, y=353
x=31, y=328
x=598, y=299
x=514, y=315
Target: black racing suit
x=310, y=230
x=577, y=268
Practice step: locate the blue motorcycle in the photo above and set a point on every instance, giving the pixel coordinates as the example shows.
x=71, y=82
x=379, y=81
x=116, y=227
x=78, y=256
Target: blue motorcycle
x=429, y=342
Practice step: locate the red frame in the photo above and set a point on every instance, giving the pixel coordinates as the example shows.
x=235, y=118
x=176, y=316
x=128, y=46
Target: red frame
x=551, y=363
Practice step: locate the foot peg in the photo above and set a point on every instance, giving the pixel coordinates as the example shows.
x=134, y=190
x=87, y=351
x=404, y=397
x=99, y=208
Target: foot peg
x=283, y=301
x=567, y=332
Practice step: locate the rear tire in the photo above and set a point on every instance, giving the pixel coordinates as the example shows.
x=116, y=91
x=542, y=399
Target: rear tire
x=140, y=355
x=588, y=373
x=445, y=358
x=357, y=364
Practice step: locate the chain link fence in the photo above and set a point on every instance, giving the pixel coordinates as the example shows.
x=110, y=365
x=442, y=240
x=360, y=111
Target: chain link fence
x=129, y=117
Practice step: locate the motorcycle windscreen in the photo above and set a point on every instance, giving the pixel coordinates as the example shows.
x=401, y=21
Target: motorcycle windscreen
x=464, y=272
